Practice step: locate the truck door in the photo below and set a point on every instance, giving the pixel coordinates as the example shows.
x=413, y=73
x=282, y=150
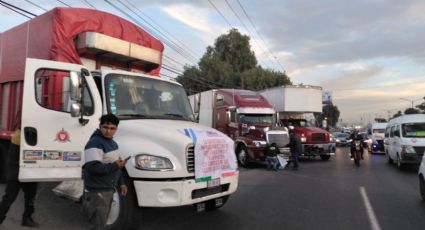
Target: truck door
x=52, y=141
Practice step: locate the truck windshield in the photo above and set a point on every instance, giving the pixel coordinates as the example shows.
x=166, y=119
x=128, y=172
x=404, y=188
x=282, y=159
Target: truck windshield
x=138, y=97
x=379, y=131
x=267, y=119
x=298, y=123
x=413, y=130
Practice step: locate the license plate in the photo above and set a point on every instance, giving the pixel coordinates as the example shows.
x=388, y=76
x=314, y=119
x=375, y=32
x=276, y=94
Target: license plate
x=213, y=183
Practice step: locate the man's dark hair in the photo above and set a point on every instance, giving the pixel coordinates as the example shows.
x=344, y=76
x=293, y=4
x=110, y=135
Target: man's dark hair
x=109, y=118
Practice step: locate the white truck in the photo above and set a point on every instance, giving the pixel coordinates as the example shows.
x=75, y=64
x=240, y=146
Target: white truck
x=295, y=106
x=377, y=135
x=62, y=70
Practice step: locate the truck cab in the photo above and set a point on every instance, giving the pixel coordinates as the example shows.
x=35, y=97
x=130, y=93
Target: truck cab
x=314, y=141
x=246, y=117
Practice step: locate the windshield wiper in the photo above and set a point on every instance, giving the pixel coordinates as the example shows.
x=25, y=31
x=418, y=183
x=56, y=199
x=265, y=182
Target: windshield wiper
x=135, y=115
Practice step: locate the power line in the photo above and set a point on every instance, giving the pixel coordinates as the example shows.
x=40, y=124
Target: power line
x=259, y=35
x=162, y=28
x=153, y=33
x=10, y=8
x=88, y=3
x=63, y=3
x=243, y=24
x=8, y=5
x=32, y=3
x=166, y=39
x=219, y=12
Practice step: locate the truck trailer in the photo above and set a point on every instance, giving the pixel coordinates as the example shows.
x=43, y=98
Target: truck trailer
x=65, y=68
x=295, y=106
x=246, y=117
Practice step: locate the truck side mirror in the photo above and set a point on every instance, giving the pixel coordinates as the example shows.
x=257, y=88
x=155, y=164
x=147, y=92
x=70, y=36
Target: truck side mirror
x=75, y=109
x=75, y=84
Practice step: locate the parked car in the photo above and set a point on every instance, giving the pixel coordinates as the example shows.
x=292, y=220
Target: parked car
x=422, y=178
x=341, y=139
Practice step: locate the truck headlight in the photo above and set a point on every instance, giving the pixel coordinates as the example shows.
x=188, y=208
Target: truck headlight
x=303, y=139
x=259, y=143
x=154, y=163
x=407, y=149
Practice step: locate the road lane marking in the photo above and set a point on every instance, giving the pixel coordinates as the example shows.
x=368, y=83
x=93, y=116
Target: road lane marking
x=370, y=213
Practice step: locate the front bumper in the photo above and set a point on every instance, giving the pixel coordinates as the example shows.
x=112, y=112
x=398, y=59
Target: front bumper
x=318, y=149
x=182, y=192
x=411, y=158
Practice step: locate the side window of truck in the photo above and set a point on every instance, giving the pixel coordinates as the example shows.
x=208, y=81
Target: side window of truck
x=53, y=91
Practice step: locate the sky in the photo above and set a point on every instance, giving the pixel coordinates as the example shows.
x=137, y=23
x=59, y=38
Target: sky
x=369, y=54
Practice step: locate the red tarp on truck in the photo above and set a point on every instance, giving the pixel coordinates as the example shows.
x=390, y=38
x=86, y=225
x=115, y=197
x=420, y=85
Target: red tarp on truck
x=52, y=36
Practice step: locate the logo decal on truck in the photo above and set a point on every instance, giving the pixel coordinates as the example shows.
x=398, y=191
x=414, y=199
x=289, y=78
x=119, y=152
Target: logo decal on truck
x=62, y=136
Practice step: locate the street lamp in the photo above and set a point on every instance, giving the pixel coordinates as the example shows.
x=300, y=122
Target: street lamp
x=411, y=101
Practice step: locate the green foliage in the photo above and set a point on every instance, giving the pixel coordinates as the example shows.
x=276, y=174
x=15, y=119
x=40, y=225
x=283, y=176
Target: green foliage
x=421, y=107
x=411, y=111
x=399, y=113
x=230, y=64
x=331, y=113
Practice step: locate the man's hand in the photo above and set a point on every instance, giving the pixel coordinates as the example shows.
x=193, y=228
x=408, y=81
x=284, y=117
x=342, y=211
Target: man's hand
x=124, y=189
x=120, y=163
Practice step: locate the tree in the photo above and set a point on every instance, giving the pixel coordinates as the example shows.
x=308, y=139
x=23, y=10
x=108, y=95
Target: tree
x=331, y=113
x=421, y=107
x=399, y=113
x=230, y=64
x=411, y=111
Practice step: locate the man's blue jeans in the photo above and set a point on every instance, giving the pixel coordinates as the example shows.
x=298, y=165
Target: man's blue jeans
x=272, y=163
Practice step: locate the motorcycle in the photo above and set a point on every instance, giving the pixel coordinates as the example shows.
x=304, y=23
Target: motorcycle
x=358, y=149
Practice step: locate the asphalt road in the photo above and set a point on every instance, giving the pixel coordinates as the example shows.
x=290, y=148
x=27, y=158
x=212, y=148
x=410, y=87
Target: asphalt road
x=329, y=195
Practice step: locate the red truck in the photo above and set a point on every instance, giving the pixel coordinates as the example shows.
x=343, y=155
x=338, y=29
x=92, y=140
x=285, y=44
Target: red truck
x=295, y=106
x=65, y=68
x=243, y=115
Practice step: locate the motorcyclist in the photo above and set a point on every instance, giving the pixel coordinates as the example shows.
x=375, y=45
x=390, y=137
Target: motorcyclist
x=355, y=136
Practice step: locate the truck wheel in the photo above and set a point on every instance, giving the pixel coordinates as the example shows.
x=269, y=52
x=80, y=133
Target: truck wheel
x=243, y=157
x=325, y=157
x=216, y=203
x=422, y=187
x=125, y=212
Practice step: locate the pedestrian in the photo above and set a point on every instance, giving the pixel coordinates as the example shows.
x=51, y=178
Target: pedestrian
x=102, y=172
x=271, y=157
x=295, y=147
x=14, y=185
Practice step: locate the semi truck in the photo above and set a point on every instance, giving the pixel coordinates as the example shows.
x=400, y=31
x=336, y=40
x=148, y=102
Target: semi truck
x=65, y=68
x=246, y=117
x=295, y=106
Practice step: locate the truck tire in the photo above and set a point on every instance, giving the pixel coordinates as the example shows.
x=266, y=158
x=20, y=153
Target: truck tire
x=210, y=205
x=325, y=157
x=125, y=212
x=242, y=156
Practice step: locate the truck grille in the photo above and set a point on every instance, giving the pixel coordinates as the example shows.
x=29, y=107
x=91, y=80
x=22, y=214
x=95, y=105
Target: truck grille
x=190, y=153
x=318, y=137
x=281, y=139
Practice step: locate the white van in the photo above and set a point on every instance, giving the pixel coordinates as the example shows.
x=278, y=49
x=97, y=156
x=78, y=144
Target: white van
x=405, y=139
x=377, y=132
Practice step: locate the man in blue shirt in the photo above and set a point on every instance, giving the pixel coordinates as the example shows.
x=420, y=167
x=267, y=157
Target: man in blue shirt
x=102, y=172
